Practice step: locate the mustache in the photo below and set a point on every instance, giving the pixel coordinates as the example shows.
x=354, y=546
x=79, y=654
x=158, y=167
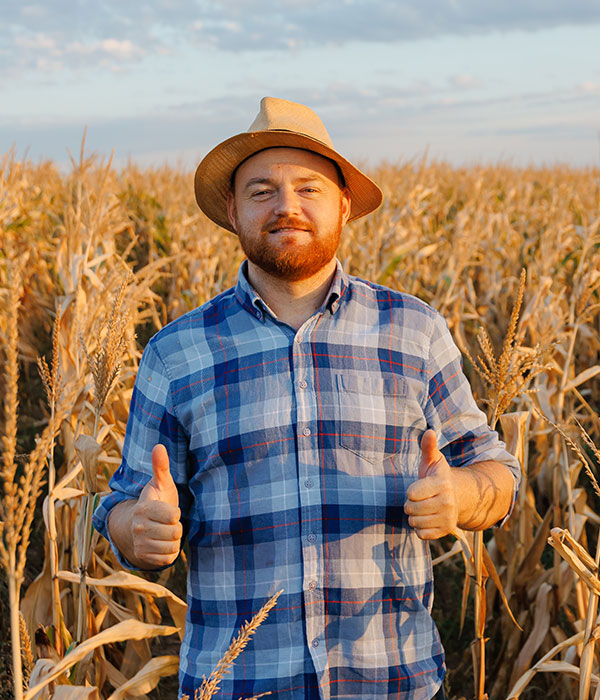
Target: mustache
x=288, y=222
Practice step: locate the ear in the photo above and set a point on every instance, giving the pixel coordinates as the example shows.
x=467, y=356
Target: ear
x=231, y=210
x=346, y=205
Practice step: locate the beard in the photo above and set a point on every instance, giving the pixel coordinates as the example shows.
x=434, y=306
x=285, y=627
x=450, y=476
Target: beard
x=289, y=259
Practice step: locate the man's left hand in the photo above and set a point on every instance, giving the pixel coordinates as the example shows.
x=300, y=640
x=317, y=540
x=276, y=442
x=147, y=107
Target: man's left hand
x=432, y=505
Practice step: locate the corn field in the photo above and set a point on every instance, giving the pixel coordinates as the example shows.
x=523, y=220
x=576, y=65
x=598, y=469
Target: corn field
x=94, y=261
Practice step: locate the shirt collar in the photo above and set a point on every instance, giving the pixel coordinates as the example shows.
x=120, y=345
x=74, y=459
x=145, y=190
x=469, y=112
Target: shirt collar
x=249, y=298
x=339, y=283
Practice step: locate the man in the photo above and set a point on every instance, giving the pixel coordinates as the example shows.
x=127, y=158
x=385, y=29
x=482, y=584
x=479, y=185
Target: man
x=307, y=431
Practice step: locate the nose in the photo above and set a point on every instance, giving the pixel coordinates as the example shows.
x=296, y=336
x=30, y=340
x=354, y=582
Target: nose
x=287, y=202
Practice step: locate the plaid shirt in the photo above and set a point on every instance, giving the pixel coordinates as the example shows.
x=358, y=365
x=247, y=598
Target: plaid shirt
x=292, y=453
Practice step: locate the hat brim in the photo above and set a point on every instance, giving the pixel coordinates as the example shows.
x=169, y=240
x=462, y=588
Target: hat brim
x=212, y=182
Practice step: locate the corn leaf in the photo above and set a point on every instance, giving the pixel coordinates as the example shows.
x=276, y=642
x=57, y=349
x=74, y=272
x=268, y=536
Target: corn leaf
x=123, y=579
x=147, y=678
x=129, y=629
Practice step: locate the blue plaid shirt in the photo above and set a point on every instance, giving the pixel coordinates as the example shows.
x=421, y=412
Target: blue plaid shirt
x=292, y=452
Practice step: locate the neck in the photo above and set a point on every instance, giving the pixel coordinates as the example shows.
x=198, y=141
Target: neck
x=293, y=302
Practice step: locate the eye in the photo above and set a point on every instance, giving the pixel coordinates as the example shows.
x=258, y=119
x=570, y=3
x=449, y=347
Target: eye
x=260, y=193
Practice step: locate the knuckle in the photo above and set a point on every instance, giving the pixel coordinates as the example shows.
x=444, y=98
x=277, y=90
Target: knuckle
x=448, y=500
x=166, y=559
x=139, y=551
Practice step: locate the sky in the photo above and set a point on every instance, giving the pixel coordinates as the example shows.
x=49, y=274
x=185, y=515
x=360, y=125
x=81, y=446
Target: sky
x=164, y=81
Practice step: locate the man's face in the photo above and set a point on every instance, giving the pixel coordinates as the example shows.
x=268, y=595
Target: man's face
x=288, y=211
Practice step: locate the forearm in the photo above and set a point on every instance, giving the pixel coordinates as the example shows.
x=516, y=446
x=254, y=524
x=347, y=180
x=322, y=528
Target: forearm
x=483, y=494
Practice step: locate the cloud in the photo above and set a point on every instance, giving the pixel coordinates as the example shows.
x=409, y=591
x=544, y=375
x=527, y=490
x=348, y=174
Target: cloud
x=465, y=81
x=284, y=23
x=382, y=122
x=61, y=34
x=47, y=54
x=589, y=87
x=56, y=31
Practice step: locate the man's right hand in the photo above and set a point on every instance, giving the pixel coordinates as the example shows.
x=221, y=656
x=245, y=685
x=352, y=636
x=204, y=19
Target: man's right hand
x=155, y=519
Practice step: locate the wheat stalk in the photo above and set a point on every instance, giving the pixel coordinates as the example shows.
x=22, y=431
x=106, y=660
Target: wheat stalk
x=26, y=650
x=210, y=685
x=51, y=380
x=105, y=365
x=20, y=495
x=9, y=505
x=105, y=361
x=576, y=449
x=508, y=375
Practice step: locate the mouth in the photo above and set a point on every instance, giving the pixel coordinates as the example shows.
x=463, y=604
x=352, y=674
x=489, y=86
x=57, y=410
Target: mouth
x=288, y=225
x=287, y=229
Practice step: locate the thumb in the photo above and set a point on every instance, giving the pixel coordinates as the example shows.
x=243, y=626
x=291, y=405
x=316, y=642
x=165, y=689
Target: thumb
x=431, y=457
x=161, y=487
x=161, y=474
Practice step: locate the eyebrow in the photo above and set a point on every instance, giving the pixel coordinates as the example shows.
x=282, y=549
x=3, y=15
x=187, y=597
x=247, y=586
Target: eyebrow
x=269, y=181
x=257, y=181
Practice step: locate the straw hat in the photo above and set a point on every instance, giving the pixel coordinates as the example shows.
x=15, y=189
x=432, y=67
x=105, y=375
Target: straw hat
x=279, y=123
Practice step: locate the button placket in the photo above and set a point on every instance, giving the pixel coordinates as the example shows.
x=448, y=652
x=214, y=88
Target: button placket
x=303, y=387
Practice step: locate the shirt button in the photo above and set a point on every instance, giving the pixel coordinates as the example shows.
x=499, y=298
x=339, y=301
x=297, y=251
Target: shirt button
x=315, y=642
x=312, y=537
x=312, y=585
x=306, y=432
x=308, y=483
x=303, y=383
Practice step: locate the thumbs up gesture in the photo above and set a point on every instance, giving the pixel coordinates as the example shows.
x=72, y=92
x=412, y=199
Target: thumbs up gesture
x=155, y=526
x=432, y=506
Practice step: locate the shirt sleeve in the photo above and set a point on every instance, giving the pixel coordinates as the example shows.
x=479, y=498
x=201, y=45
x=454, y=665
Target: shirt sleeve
x=152, y=420
x=463, y=433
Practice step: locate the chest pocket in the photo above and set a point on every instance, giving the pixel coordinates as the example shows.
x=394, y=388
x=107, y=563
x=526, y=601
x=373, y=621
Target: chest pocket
x=377, y=416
